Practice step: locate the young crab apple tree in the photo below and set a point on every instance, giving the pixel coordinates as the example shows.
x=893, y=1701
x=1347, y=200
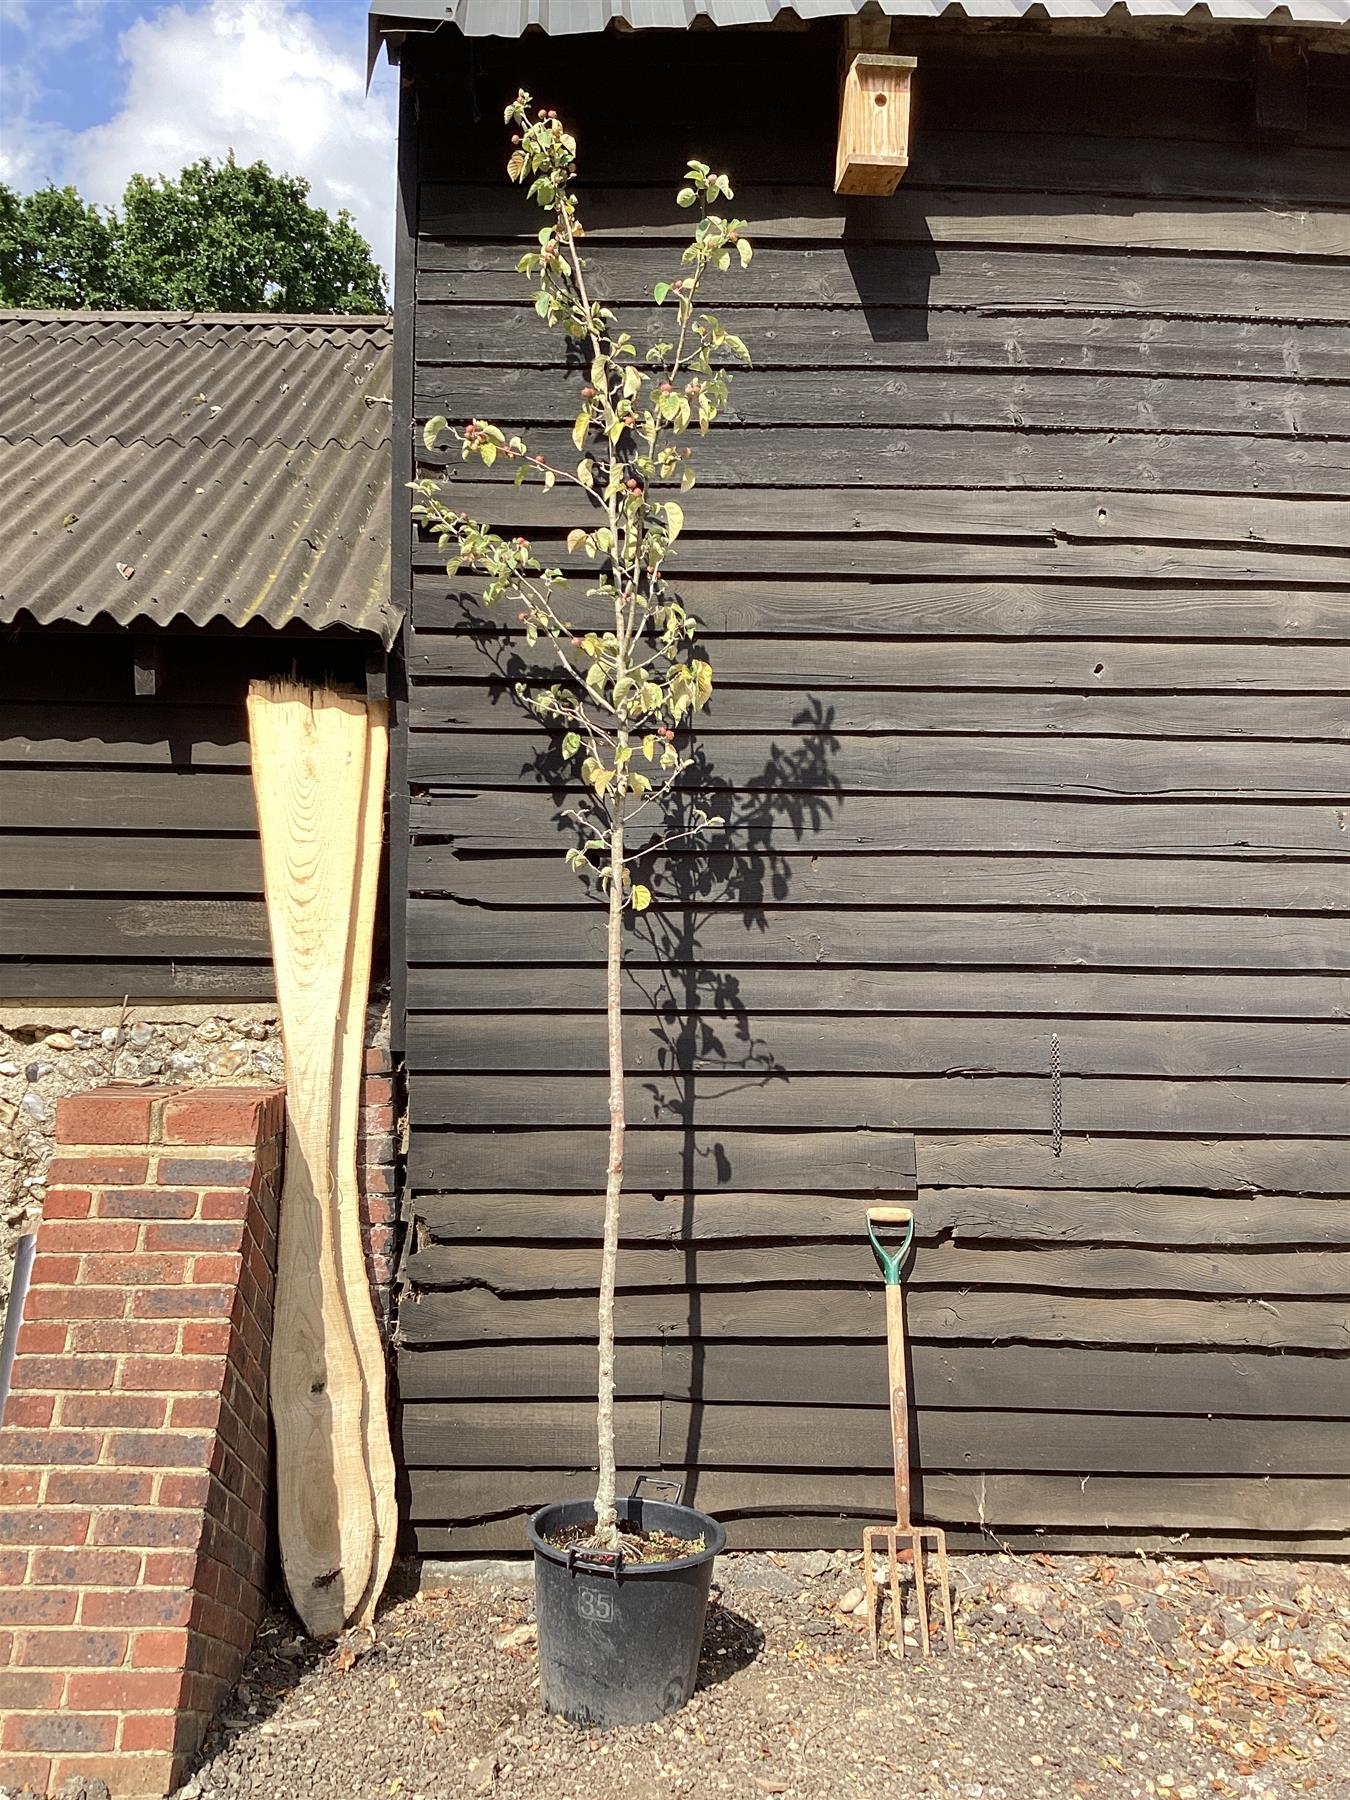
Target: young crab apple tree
x=628, y=687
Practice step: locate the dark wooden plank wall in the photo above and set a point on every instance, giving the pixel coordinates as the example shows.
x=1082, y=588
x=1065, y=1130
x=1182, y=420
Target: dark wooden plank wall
x=128, y=848
x=1023, y=560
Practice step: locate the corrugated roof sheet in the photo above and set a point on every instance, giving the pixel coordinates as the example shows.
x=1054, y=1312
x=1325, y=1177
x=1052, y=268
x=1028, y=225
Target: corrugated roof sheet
x=237, y=465
x=509, y=18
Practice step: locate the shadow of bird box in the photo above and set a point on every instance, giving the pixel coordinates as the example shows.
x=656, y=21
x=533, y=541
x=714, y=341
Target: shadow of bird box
x=874, y=125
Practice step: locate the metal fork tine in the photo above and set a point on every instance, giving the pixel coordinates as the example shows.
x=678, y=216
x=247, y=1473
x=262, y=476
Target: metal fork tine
x=897, y=1605
x=869, y=1582
x=921, y=1594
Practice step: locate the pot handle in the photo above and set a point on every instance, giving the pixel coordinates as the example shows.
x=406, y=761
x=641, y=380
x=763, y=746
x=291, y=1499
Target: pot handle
x=676, y=1488
x=609, y=1561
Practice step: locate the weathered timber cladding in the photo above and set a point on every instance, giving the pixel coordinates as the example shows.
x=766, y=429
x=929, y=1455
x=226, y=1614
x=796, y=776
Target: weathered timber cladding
x=1022, y=560
x=128, y=835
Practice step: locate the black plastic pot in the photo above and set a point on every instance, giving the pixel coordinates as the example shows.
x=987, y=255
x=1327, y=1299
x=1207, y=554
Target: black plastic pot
x=619, y=1641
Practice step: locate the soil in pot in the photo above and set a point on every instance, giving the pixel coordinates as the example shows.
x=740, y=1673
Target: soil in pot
x=637, y=1547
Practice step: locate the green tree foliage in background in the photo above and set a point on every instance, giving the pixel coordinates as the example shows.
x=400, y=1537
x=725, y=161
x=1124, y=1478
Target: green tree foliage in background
x=56, y=251
x=223, y=237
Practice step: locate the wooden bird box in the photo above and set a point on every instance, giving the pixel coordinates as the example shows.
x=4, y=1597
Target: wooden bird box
x=874, y=125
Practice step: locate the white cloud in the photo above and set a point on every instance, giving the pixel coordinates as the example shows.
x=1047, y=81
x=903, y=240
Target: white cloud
x=260, y=77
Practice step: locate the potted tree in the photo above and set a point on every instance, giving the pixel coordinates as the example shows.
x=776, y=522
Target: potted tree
x=621, y=1583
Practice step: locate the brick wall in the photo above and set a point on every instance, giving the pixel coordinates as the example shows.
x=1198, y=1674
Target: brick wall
x=134, y=1446
x=377, y=1163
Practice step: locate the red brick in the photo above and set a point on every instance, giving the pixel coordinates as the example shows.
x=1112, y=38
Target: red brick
x=123, y=1337
x=158, y=1450
x=41, y=1340
x=378, y=1059
x=53, y=1271
x=57, y=1374
x=182, y=1303
x=32, y=1412
x=86, y=1568
x=192, y=1236
x=376, y=1091
x=213, y=1339
x=146, y=1530
x=142, y=1606
x=149, y=1731
x=184, y=1490
x=75, y=1303
x=43, y=1525
x=71, y=1649
x=377, y=1178
x=124, y=1690
x=194, y=1412
x=136, y=1271
x=134, y=1412
x=93, y=1172
x=27, y=1772
x=169, y=1374
x=232, y=1116
x=105, y=1116
x=123, y=1774
x=225, y=1203
x=205, y=1171
x=64, y=1202
x=13, y=1573
x=146, y=1203
x=38, y=1606
x=161, y=1649
x=217, y=1270
x=30, y=1690
x=19, y=1487
x=75, y=1237
x=170, y=1569
x=59, y=1731
x=99, y=1487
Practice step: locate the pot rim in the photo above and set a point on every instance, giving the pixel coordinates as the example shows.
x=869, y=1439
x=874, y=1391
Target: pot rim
x=713, y=1532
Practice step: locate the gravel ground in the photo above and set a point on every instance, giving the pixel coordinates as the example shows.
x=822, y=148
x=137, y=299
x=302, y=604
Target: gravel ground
x=1072, y=1676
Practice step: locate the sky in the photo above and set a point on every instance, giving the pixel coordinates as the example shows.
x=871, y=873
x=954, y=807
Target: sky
x=94, y=91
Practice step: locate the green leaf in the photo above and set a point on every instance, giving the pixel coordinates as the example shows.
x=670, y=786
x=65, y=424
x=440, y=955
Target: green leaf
x=660, y=291
x=745, y=251
x=674, y=520
x=642, y=898
x=431, y=431
x=580, y=428
x=576, y=538
x=571, y=743
x=685, y=197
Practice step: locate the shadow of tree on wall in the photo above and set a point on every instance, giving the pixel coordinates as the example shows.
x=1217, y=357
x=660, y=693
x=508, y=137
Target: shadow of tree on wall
x=688, y=1017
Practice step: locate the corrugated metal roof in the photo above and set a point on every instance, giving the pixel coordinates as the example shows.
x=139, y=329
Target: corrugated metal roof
x=509, y=18
x=238, y=465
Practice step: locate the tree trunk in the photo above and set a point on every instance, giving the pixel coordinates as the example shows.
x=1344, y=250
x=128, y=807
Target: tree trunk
x=606, y=1522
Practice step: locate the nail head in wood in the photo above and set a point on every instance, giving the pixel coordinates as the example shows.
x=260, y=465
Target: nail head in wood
x=873, y=149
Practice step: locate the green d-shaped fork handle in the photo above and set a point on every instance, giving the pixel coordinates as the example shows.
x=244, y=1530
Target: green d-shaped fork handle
x=889, y=1261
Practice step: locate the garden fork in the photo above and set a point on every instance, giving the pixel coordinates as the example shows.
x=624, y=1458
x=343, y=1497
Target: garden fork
x=904, y=1536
